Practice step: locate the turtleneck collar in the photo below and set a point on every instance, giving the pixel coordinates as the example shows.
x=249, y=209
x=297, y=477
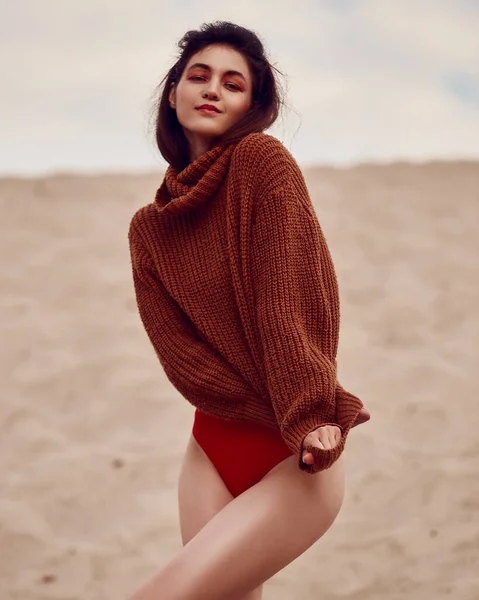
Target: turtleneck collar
x=197, y=183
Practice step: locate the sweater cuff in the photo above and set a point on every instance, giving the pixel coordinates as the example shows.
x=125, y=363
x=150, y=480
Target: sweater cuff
x=323, y=459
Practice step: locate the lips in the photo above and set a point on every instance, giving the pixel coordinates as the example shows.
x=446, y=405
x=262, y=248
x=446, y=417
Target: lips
x=208, y=107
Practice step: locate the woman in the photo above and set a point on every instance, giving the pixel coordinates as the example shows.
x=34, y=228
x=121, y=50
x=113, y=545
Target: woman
x=236, y=289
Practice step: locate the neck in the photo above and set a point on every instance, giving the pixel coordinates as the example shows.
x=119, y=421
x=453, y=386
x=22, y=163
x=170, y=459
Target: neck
x=198, y=145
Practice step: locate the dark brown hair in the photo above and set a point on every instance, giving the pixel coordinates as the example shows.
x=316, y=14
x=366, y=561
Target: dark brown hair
x=266, y=99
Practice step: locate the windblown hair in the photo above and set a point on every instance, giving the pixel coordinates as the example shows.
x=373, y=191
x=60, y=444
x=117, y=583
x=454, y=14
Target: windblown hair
x=266, y=100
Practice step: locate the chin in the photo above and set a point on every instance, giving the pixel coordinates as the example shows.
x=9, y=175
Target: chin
x=208, y=132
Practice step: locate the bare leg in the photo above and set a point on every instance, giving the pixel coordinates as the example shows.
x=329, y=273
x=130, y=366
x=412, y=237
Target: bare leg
x=201, y=495
x=253, y=537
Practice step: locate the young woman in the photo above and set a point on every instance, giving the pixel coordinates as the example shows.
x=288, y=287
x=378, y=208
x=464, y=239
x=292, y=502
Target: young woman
x=237, y=292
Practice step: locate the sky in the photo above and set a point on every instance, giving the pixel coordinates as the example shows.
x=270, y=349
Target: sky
x=366, y=80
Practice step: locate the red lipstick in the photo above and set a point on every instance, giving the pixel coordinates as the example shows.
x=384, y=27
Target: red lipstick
x=208, y=107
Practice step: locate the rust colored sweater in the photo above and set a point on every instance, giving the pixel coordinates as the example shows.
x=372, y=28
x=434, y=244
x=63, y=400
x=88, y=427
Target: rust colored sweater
x=237, y=292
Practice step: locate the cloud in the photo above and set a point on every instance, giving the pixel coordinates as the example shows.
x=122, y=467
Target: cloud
x=367, y=80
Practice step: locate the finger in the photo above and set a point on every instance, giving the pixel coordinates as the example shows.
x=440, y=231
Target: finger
x=308, y=458
x=328, y=438
x=329, y=442
x=323, y=437
x=317, y=444
x=334, y=437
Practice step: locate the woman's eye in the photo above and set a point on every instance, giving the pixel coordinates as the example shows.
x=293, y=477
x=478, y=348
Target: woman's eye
x=199, y=77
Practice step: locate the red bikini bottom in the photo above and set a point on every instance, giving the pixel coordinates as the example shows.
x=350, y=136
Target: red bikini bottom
x=241, y=451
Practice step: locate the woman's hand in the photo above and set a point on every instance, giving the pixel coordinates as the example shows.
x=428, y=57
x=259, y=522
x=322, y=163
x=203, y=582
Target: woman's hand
x=328, y=436
x=324, y=437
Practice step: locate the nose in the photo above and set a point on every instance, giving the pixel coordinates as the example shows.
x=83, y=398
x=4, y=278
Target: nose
x=210, y=94
x=212, y=90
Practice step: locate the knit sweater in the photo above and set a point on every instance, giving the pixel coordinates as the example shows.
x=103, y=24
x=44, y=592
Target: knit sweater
x=237, y=292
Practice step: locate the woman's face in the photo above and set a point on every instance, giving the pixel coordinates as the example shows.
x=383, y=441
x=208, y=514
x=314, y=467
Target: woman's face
x=218, y=76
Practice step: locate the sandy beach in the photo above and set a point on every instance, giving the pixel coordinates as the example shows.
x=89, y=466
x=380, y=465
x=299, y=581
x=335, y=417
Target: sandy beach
x=92, y=432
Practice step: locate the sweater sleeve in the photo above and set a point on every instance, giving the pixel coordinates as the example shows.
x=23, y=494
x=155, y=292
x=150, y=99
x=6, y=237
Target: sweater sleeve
x=192, y=365
x=297, y=311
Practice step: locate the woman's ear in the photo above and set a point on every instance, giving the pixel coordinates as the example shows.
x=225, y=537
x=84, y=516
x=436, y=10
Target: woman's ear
x=172, y=95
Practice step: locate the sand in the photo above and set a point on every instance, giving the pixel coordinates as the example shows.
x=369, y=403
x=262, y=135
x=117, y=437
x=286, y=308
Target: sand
x=92, y=432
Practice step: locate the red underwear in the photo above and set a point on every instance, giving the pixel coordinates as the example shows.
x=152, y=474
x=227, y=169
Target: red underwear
x=241, y=451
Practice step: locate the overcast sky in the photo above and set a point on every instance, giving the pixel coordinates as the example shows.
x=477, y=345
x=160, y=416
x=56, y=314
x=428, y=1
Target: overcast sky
x=368, y=80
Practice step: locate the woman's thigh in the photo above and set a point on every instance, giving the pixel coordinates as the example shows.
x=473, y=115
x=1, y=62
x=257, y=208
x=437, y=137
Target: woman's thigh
x=201, y=495
x=201, y=491
x=256, y=534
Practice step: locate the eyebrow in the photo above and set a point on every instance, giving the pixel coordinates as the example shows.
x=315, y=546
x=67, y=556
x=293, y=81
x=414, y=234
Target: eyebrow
x=208, y=68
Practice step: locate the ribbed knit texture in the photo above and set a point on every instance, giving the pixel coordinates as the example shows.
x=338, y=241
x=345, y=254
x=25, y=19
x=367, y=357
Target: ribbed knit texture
x=237, y=292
